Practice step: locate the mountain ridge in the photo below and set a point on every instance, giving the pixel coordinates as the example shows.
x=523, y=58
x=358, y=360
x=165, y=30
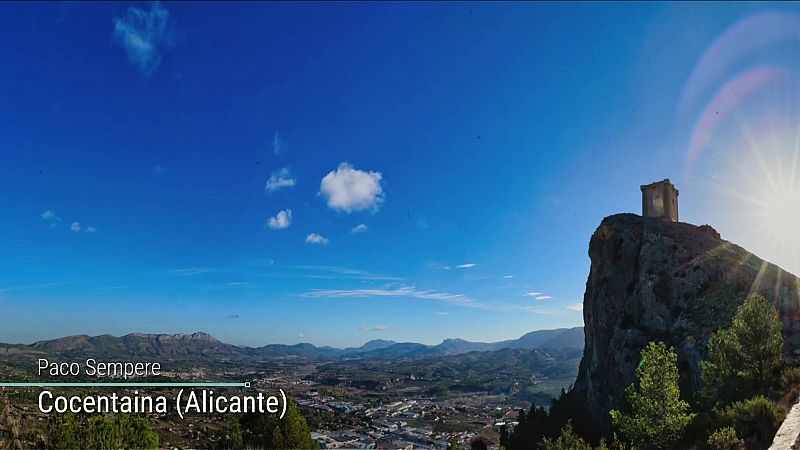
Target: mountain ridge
x=201, y=344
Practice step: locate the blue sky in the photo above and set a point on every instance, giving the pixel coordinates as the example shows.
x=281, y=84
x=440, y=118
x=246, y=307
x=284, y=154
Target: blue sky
x=334, y=173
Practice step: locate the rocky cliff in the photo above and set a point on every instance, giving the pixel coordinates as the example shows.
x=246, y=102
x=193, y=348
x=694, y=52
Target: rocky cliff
x=656, y=280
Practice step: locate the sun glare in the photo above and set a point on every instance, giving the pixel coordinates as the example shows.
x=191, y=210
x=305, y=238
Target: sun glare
x=781, y=216
x=768, y=187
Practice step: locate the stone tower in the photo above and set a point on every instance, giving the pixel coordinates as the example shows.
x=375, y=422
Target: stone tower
x=660, y=199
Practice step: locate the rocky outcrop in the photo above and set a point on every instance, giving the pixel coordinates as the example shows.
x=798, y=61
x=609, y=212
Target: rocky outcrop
x=652, y=279
x=787, y=435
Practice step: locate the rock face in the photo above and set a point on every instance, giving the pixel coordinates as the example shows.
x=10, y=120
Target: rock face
x=652, y=279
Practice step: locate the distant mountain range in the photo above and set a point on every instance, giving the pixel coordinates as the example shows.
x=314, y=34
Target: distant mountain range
x=202, y=345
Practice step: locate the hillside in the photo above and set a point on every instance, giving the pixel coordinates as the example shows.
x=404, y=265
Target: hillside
x=674, y=282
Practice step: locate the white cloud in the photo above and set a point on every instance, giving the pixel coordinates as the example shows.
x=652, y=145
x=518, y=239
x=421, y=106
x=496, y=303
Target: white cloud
x=278, y=144
x=508, y=276
x=542, y=297
x=348, y=189
x=315, y=238
x=280, y=179
x=90, y=229
x=144, y=34
x=76, y=226
x=466, y=266
x=442, y=313
x=534, y=294
x=360, y=228
x=281, y=220
x=158, y=170
x=50, y=215
x=301, y=335
x=576, y=307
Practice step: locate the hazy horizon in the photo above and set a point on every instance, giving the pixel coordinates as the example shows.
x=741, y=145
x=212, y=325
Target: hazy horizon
x=286, y=343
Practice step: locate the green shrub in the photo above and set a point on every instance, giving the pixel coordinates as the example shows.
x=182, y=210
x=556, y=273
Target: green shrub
x=790, y=378
x=756, y=420
x=568, y=440
x=725, y=439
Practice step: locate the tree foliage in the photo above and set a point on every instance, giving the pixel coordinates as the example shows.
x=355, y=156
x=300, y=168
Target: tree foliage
x=658, y=416
x=270, y=431
x=538, y=422
x=101, y=431
x=478, y=444
x=568, y=440
x=743, y=359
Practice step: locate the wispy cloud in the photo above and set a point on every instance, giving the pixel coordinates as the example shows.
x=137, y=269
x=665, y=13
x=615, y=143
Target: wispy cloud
x=144, y=35
x=360, y=228
x=401, y=291
x=315, y=238
x=344, y=272
x=576, y=307
x=348, y=189
x=76, y=227
x=281, y=220
x=546, y=310
x=373, y=328
x=192, y=271
x=534, y=294
x=466, y=266
x=91, y=229
x=110, y=288
x=506, y=277
x=34, y=286
x=278, y=144
x=542, y=297
x=281, y=178
x=393, y=290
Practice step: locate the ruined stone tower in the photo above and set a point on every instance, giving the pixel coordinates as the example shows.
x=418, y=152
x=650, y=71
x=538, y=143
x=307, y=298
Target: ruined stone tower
x=660, y=199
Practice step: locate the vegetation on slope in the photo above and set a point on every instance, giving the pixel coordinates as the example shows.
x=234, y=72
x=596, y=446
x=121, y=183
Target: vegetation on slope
x=737, y=407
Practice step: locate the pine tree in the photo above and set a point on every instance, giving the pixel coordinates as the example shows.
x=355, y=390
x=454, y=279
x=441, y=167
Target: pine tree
x=658, y=416
x=270, y=431
x=742, y=360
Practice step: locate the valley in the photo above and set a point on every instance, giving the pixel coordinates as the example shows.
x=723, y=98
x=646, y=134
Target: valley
x=383, y=394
